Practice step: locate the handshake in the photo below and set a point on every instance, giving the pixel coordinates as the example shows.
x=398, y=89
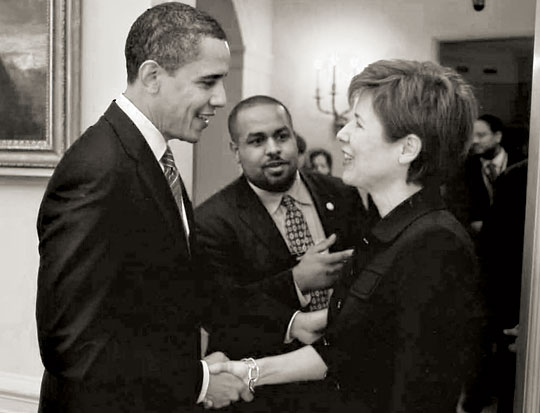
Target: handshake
x=231, y=381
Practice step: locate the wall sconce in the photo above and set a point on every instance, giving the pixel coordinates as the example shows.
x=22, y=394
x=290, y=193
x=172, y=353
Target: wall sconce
x=479, y=4
x=339, y=117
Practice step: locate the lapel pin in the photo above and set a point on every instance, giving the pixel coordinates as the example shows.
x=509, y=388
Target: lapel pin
x=329, y=206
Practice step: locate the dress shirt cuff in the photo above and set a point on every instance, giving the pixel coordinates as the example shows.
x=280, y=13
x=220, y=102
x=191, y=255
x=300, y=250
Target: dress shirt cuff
x=205, y=382
x=304, y=299
x=288, y=338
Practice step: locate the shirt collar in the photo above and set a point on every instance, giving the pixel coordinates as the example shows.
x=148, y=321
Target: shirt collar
x=151, y=134
x=422, y=202
x=272, y=200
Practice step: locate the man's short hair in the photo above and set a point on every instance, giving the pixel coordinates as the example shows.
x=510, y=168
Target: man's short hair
x=170, y=34
x=494, y=123
x=428, y=100
x=257, y=100
x=318, y=152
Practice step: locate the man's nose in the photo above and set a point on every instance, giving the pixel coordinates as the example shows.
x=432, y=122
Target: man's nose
x=219, y=97
x=272, y=146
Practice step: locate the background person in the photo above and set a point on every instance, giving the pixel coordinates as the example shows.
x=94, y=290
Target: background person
x=405, y=327
x=118, y=302
x=473, y=191
x=320, y=160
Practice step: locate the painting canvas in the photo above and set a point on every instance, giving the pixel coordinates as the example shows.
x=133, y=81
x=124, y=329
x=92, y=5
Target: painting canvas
x=38, y=80
x=23, y=69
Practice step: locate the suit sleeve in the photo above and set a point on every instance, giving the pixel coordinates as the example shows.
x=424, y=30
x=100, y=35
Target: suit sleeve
x=75, y=269
x=258, y=310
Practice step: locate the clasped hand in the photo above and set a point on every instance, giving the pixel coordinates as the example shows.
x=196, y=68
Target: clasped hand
x=224, y=387
x=309, y=327
x=318, y=268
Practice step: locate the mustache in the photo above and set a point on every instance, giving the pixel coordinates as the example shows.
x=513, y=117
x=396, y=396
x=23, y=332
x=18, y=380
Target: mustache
x=275, y=161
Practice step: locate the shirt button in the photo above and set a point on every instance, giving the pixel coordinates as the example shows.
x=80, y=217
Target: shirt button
x=339, y=303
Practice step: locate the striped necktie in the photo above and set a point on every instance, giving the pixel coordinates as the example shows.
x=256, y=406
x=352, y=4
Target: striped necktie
x=300, y=239
x=174, y=180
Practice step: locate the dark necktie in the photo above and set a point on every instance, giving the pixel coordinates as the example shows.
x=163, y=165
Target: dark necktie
x=173, y=178
x=300, y=240
x=491, y=172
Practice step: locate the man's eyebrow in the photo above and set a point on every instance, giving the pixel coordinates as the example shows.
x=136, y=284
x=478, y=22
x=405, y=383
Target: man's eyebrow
x=214, y=76
x=282, y=129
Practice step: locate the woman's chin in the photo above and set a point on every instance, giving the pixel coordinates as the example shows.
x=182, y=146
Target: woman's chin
x=348, y=179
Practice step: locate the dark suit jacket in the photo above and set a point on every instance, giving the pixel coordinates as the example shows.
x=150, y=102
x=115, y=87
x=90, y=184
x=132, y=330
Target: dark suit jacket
x=469, y=198
x=116, y=288
x=246, y=252
x=501, y=247
x=405, y=325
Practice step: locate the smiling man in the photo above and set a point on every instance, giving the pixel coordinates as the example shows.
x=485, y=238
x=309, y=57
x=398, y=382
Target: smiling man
x=277, y=240
x=118, y=303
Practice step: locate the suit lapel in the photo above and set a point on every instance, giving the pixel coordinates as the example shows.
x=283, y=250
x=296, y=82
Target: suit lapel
x=253, y=213
x=149, y=170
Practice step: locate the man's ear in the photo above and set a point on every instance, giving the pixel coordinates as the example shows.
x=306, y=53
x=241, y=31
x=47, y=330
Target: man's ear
x=498, y=136
x=234, y=148
x=149, y=72
x=411, y=145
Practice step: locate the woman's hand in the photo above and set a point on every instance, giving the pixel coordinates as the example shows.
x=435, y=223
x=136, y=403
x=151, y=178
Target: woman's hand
x=238, y=368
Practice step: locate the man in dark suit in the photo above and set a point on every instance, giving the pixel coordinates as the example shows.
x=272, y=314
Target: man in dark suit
x=118, y=299
x=472, y=194
x=243, y=231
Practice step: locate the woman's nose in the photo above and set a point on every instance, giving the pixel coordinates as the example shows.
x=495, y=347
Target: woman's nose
x=343, y=134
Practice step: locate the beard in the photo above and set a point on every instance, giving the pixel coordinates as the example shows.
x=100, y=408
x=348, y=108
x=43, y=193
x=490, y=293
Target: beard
x=491, y=153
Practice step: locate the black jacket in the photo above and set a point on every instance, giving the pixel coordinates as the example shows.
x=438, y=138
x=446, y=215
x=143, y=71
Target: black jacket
x=406, y=324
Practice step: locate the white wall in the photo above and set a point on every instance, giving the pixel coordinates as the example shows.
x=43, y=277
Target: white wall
x=370, y=30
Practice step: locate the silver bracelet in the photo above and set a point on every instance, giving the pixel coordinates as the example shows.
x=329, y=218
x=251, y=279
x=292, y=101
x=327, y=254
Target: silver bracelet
x=253, y=373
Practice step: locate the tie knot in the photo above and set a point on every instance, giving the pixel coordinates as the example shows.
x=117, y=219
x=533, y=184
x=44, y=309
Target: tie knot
x=288, y=201
x=168, y=159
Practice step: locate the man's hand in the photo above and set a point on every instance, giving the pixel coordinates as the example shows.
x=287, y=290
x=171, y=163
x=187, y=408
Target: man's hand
x=317, y=268
x=225, y=388
x=216, y=357
x=308, y=327
x=512, y=332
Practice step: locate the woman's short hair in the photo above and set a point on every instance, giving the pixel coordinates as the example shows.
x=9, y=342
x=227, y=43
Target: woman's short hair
x=425, y=99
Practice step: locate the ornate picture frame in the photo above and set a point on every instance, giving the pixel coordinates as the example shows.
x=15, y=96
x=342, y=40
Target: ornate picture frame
x=39, y=79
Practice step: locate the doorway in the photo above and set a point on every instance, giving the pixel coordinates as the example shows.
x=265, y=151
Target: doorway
x=500, y=71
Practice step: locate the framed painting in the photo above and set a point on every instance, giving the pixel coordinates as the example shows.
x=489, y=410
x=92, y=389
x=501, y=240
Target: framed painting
x=39, y=81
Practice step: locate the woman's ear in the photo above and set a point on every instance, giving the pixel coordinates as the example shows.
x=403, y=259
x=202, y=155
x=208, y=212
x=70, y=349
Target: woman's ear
x=411, y=146
x=149, y=72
